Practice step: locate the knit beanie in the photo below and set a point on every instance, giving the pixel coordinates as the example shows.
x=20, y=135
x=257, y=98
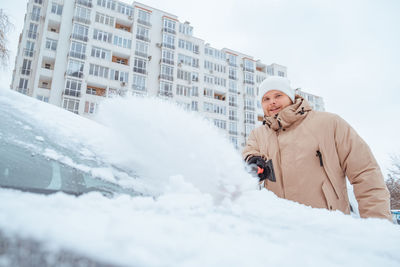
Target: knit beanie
x=276, y=83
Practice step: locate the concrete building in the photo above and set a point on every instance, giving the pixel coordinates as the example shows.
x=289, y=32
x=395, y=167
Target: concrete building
x=73, y=54
x=316, y=102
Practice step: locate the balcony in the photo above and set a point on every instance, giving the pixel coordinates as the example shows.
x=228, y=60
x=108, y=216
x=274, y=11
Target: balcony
x=122, y=27
x=144, y=22
x=143, y=38
x=138, y=88
x=26, y=71
x=74, y=93
x=249, y=121
x=248, y=69
x=248, y=82
x=34, y=17
x=32, y=34
x=139, y=70
x=249, y=108
x=28, y=52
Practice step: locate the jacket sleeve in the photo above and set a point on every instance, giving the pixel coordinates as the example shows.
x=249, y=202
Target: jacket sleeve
x=363, y=172
x=252, y=147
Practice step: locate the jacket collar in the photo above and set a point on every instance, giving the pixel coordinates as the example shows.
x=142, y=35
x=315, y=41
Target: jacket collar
x=289, y=115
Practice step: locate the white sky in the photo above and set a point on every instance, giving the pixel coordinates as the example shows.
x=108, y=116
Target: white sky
x=345, y=51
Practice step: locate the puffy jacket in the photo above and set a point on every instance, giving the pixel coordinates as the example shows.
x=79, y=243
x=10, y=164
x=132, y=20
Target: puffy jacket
x=312, y=153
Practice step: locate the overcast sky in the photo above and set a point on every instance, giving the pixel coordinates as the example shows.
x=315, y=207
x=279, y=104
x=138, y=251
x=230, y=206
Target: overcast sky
x=347, y=51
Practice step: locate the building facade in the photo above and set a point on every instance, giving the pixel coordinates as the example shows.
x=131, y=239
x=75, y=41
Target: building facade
x=73, y=54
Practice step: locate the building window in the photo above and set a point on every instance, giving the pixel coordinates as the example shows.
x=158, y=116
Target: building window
x=73, y=88
x=42, y=98
x=32, y=32
x=249, y=104
x=101, y=53
x=75, y=68
x=102, y=36
x=78, y=50
x=232, y=86
x=195, y=106
x=90, y=107
x=140, y=65
x=98, y=71
x=209, y=79
x=184, y=75
x=220, y=124
x=281, y=73
x=168, y=41
x=208, y=93
x=110, y=4
x=249, y=90
x=233, y=128
x=71, y=105
x=80, y=32
x=233, y=115
x=141, y=49
x=51, y=44
x=38, y=2
x=82, y=14
x=104, y=19
x=26, y=67
x=232, y=60
x=29, y=49
x=249, y=78
x=248, y=65
x=122, y=42
x=169, y=26
x=233, y=100
x=124, y=9
x=144, y=17
x=166, y=89
x=270, y=71
x=56, y=8
x=35, y=15
x=118, y=75
x=139, y=82
x=168, y=56
x=167, y=73
x=249, y=117
x=23, y=86
x=185, y=29
x=142, y=33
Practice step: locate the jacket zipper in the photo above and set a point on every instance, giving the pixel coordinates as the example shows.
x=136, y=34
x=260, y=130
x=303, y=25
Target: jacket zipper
x=319, y=155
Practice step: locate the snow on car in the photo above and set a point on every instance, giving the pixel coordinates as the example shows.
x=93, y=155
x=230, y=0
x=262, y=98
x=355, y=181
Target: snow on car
x=158, y=186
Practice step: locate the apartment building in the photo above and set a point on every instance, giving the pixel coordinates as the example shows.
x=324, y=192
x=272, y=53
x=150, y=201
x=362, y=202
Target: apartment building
x=73, y=54
x=316, y=102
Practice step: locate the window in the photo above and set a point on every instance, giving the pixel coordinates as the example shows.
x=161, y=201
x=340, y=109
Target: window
x=99, y=71
x=248, y=129
x=281, y=73
x=249, y=78
x=220, y=81
x=232, y=73
x=185, y=29
x=233, y=128
x=233, y=100
x=248, y=65
x=169, y=26
x=140, y=65
x=232, y=60
x=184, y=75
x=142, y=34
x=110, y=4
x=78, y=50
x=214, y=108
x=118, y=75
x=168, y=56
x=233, y=115
x=26, y=67
x=139, y=82
x=249, y=104
x=82, y=14
x=102, y=36
x=104, y=19
x=165, y=89
x=29, y=49
x=167, y=72
x=122, y=42
x=75, y=68
x=187, y=90
x=195, y=76
x=208, y=93
x=232, y=86
x=51, y=44
x=270, y=71
x=23, y=86
x=249, y=117
x=249, y=90
x=71, y=105
x=42, y=98
x=90, y=107
x=80, y=32
x=168, y=41
x=35, y=15
x=220, y=124
x=234, y=141
x=38, y=2
x=101, y=53
x=32, y=32
x=209, y=79
x=56, y=8
x=195, y=106
x=124, y=9
x=141, y=49
x=144, y=17
x=73, y=88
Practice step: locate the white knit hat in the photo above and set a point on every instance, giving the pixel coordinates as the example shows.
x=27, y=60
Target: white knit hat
x=276, y=83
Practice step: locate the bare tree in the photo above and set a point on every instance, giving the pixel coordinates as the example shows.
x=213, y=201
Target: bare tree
x=5, y=27
x=393, y=183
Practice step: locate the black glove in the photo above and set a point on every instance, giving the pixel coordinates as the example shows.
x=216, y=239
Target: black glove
x=263, y=169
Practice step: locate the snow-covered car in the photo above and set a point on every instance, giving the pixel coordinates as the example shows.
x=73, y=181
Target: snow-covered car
x=151, y=185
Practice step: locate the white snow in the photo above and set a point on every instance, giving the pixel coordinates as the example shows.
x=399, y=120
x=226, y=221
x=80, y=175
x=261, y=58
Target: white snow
x=203, y=208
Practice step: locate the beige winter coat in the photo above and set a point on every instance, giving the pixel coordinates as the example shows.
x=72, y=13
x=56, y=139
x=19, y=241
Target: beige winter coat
x=312, y=153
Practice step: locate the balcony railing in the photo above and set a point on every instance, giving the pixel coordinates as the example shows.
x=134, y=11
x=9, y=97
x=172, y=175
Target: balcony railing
x=141, y=54
x=74, y=93
x=167, y=61
x=143, y=38
x=138, y=87
x=82, y=20
x=79, y=37
x=167, y=45
x=139, y=70
x=168, y=30
x=166, y=77
x=144, y=22
x=249, y=121
x=87, y=3
x=77, y=55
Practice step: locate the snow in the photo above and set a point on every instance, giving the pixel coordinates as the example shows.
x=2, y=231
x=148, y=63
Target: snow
x=201, y=207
